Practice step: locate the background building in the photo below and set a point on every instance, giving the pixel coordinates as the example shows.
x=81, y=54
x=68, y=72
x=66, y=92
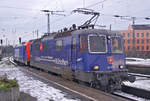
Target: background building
x=137, y=41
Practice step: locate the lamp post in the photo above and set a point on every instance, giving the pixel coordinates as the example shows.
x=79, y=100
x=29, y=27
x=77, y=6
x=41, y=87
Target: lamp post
x=133, y=36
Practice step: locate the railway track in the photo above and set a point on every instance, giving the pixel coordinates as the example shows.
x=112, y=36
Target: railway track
x=136, y=91
x=133, y=94
x=122, y=94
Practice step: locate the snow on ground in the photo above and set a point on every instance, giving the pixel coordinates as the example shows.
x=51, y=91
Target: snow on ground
x=138, y=61
x=4, y=59
x=141, y=82
x=32, y=86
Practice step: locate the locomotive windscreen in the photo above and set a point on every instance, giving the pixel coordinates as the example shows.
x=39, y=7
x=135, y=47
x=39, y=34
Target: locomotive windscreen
x=97, y=44
x=116, y=45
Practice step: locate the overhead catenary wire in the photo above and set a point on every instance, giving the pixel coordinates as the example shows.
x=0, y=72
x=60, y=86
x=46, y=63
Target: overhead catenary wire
x=18, y=8
x=28, y=9
x=110, y=15
x=38, y=11
x=62, y=5
x=57, y=20
x=85, y=7
x=97, y=3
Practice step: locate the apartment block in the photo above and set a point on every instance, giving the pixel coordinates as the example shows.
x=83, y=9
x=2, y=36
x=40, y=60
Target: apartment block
x=137, y=40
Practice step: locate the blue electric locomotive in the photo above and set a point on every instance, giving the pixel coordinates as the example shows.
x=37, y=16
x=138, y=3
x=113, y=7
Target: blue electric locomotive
x=93, y=56
x=19, y=54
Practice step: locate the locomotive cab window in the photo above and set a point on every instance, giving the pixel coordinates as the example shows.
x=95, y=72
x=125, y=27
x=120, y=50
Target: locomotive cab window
x=116, y=45
x=97, y=44
x=83, y=44
x=59, y=44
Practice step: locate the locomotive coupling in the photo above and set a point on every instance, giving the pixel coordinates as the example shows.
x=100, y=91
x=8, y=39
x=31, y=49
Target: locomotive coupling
x=128, y=78
x=131, y=78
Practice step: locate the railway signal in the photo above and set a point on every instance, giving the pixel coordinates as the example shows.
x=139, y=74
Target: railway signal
x=1, y=41
x=20, y=40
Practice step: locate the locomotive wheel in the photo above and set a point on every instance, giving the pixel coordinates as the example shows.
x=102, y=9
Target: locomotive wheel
x=92, y=84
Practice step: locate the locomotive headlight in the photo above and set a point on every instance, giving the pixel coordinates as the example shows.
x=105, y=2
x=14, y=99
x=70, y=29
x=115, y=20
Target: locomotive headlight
x=109, y=37
x=96, y=67
x=121, y=66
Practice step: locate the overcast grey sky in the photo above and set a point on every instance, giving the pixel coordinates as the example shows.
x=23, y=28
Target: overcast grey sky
x=19, y=18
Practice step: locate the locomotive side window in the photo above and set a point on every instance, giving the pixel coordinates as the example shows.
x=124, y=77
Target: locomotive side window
x=37, y=47
x=74, y=43
x=97, y=44
x=83, y=44
x=116, y=45
x=59, y=45
x=45, y=45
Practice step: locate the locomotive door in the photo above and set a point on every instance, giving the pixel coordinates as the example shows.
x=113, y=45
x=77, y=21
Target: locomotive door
x=73, y=54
